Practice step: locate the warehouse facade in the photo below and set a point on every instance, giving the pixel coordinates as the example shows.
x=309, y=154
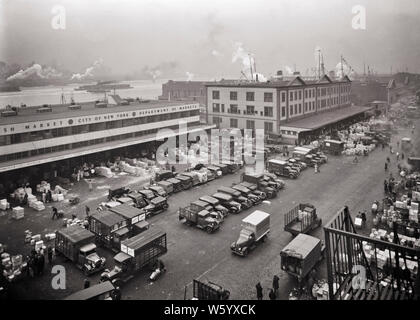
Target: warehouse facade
x=274, y=104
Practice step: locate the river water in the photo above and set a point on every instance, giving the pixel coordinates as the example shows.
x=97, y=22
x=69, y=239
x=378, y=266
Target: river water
x=35, y=96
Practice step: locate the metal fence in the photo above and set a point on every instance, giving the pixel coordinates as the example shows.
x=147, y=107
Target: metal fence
x=360, y=267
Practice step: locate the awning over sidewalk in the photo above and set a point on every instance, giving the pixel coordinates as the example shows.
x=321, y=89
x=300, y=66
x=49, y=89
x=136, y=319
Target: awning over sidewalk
x=323, y=119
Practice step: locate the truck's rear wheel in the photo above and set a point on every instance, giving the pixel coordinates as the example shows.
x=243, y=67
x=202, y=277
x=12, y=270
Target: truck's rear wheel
x=209, y=230
x=246, y=251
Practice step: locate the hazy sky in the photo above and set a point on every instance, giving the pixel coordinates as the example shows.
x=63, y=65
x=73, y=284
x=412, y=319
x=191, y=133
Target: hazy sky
x=201, y=36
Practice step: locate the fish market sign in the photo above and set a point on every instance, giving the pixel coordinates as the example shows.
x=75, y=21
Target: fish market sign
x=77, y=121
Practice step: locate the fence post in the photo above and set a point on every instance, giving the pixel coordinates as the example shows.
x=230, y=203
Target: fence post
x=329, y=264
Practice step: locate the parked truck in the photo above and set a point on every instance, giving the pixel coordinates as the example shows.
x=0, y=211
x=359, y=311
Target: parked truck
x=301, y=219
x=216, y=205
x=202, y=219
x=281, y=168
x=77, y=244
x=261, y=183
x=301, y=255
x=237, y=196
x=137, y=253
x=209, y=291
x=255, y=229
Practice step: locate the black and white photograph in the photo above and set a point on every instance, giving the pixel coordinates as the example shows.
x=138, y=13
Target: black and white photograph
x=225, y=151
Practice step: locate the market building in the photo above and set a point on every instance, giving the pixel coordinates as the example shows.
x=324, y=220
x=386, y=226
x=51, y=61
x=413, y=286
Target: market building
x=287, y=107
x=55, y=139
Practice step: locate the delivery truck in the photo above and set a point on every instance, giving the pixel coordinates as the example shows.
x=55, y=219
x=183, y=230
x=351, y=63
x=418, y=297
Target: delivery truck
x=216, y=205
x=77, y=244
x=281, y=168
x=334, y=147
x=301, y=255
x=301, y=219
x=209, y=291
x=237, y=196
x=255, y=229
x=261, y=183
x=137, y=253
x=198, y=216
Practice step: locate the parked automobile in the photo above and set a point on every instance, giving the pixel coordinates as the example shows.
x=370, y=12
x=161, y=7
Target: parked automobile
x=247, y=193
x=157, y=190
x=216, y=205
x=156, y=205
x=176, y=184
x=237, y=196
x=148, y=195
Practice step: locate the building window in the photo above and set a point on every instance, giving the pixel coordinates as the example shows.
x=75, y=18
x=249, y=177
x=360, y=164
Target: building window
x=250, y=110
x=306, y=94
x=216, y=107
x=233, y=108
x=296, y=109
x=233, y=123
x=216, y=94
x=291, y=96
x=250, y=124
x=217, y=120
x=250, y=96
x=268, y=111
x=296, y=95
x=300, y=94
x=300, y=108
x=283, y=112
x=306, y=106
x=268, y=127
x=268, y=97
x=223, y=108
x=233, y=95
x=283, y=97
x=291, y=110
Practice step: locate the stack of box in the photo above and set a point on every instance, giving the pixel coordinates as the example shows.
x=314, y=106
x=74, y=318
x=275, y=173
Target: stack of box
x=4, y=205
x=37, y=205
x=18, y=213
x=44, y=186
x=414, y=212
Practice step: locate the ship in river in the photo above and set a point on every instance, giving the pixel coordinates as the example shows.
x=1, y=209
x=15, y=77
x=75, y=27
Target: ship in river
x=104, y=86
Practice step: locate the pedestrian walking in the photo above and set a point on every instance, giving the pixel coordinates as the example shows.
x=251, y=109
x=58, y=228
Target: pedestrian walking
x=90, y=185
x=116, y=294
x=41, y=263
x=49, y=255
x=276, y=284
x=388, y=159
x=386, y=166
x=398, y=156
x=55, y=213
x=272, y=295
x=44, y=197
x=86, y=284
x=386, y=187
x=259, y=291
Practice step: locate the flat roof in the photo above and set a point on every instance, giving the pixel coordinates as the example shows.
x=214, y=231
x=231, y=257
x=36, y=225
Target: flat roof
x=76, y=233
x=302, y=245
x=26, y=114
x=126, y=211
x=322, y=119
x=142, y=239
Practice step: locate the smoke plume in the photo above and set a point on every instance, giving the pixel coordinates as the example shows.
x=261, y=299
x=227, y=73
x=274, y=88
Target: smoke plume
x=35, y=70
x=89, y=72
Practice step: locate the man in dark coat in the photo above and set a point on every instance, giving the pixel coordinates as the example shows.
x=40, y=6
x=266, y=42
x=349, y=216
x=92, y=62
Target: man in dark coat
x=276, y=284
x=259, y=291
x=86, y=284
x=272, y=295
x=41, y=263
x=50, y=255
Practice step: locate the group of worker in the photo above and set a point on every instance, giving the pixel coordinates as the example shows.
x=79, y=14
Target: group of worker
x=272, y=294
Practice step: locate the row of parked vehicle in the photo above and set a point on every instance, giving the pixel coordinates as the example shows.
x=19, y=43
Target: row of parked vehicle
x=301, y=159
x=208, y=212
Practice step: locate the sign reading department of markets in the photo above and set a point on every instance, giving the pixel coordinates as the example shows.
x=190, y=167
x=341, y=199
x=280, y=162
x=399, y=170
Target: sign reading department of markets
x=31, y=126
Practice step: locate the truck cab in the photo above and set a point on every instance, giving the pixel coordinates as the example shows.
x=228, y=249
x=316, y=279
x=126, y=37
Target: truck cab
x=247, y=193
x=227, y=201
x=138, y=199
x=254, y=189
x=89, y=260
x=237, y=196
x=158, y=191
x=216, y=205
x=148, y=195
x=156, y=205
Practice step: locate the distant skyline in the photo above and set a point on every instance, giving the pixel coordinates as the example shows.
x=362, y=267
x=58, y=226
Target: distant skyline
x=198, y=39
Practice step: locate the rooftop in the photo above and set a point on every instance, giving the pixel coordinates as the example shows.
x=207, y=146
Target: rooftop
x=277, y=83
x=26, y=114
x=322, y=119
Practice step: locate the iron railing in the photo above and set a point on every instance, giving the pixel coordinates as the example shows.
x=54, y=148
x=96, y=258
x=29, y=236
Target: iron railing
x=384, y=264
